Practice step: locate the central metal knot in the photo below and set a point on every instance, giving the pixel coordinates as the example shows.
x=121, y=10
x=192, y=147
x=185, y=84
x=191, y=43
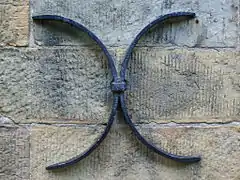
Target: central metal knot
x=118, y=86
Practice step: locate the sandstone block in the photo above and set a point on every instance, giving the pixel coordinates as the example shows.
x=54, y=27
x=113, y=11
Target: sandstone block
x=14, y=153
x=122, y=157
x=184, y=85
x=55, y=85
x=14, y=21
x=118, y=22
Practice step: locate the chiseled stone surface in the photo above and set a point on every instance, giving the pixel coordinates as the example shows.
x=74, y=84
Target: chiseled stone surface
x=122, y=157
x=14, y=22
x=184, y=85
x=117, y=22
x=14, y=153
x=52, y=144
x=54, y=85
x=181, y=85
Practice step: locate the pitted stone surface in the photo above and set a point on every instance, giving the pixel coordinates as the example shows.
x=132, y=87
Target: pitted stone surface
x=14, y=153
x=14, y=22
x=118, y=22
x=55, y=85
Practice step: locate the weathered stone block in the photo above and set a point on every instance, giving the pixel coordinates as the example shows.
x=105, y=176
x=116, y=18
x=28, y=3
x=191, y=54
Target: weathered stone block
x=118, y=22
x=52, y=33
x=59, y=143
x=184, y=85
x=55, y=85
x=14, y=153
x=14, y=21
x=121, y=157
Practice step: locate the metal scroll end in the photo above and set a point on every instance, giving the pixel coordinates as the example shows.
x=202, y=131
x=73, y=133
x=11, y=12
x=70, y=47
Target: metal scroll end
x=51, y=167
x=189, y=159
x=56, y=166
x=178, y=16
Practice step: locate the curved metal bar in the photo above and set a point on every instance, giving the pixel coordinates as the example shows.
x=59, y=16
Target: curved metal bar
x=115, y=100
x=159, y=20
x=118, y=88
x=84, y=29
x=185, y=159
x=94, y=146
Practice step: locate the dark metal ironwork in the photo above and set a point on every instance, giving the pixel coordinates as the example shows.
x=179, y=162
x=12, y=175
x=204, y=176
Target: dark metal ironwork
x=118, y=87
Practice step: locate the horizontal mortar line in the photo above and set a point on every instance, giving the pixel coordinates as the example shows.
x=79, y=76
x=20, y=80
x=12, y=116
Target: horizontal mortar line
x=139, y=46
x=192, y=124
x=48, y=47
x=66, y=46
x=217, y=48
x=61, y=124
x=13, y=122
x=177, y=47
x=171, y=124
x=207, y=121
x=65, y=125
x=29, y=125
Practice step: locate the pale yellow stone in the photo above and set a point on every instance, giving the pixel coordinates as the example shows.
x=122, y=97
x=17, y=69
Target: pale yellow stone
x=14, y=23
x=52, y=144
x=122, y=157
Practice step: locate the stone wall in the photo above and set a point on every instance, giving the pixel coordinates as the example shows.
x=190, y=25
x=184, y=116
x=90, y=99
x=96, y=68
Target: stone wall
x=183, y=94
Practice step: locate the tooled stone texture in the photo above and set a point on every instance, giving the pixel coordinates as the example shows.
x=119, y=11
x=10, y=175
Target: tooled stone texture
x=122, y=157
x=14, y=153
x=184, y=85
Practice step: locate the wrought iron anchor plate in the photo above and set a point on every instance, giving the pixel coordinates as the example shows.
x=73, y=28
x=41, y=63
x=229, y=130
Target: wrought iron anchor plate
x=118, y=86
